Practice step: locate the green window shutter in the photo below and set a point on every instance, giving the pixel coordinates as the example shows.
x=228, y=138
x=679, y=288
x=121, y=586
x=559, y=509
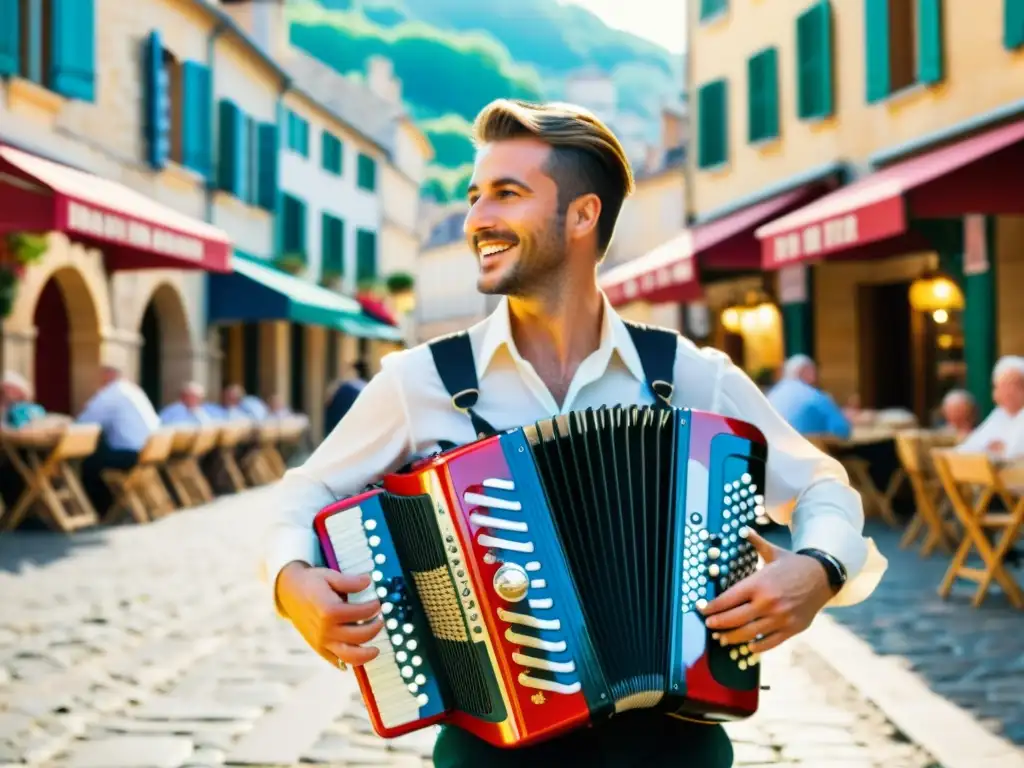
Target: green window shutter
x=330, y=153
x=710, y=8
x=763, y=95
x=10, y=37
x=157, y=125
x=876, y=47
x=366, y=173
x=1013, y=25
x=366, y=256
x=73, y=49
x=713, y=124
x=294, y=235
x=814, y=61
x=196, y=124
x=332, y=246
x=266, y=163
x=298, y=134
x=929, y=41
x=231, y=152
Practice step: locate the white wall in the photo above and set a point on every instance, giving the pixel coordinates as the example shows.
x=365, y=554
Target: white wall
x=325, y=191
x=446, y=280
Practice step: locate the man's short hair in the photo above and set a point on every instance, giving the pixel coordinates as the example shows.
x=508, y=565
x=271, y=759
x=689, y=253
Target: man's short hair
x=586, y=157
x=17, y=381
x=958, y=394
x=194, y=388
x=1006, y=364
x=791, y=369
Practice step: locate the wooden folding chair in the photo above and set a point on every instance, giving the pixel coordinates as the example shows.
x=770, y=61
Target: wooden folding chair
x=259, y=463
x=52, y=484
x=977, y=472
x=229, y=474
x=140, y=490
x=188, y=480
x=292, y=430
x=184, y=437
x=931, y=504
x=858, y=470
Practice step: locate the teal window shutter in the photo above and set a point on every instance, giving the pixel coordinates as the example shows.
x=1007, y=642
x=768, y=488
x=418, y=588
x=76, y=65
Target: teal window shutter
x=229, y=153
x=366, y=256
x=330, y=153
x=929, y=41
x=197, y=127
x=710, y=8
x=1013, y=25
x=713, y=124
x=814, y=61
x=10, y=37
x=332, y=245
x=267, y=164
x=763, y=95
x=158, y=102
x=366, y=173
x=293, y=212
x=876, y=47
x=73, y=49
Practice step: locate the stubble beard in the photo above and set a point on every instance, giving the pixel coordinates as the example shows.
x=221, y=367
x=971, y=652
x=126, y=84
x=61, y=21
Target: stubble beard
x=538, y=268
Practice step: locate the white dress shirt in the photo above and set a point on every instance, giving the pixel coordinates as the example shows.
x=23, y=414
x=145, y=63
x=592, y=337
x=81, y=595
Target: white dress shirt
x=405, y=410
x=999, y=426
x=179, y=413
x=124, y=413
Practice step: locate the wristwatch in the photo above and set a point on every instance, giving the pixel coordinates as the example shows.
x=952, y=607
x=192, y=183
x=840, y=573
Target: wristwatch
x=835, y=570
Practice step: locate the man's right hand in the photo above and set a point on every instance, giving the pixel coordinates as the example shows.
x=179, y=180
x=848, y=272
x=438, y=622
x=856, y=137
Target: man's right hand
x=314, y=600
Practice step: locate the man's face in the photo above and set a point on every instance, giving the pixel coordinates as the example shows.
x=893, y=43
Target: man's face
x=514, y=226
x=809, y=375
x=1008, y=392
x=191, y=398
x=232, y=397
x=958, y=413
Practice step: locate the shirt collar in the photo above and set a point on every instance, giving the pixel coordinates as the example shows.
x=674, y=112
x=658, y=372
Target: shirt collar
x=614, y=338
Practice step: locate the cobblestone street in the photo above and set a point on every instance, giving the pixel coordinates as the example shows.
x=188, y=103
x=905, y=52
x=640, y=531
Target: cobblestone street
x=972, y=656
x=156, y=646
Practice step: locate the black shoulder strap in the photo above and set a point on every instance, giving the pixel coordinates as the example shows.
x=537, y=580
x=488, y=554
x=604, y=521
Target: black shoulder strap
x=656, y=348
x=453, y=358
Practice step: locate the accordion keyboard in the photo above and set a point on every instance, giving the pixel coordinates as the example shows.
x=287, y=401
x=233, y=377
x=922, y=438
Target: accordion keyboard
x=532, y=621
x=400, y=676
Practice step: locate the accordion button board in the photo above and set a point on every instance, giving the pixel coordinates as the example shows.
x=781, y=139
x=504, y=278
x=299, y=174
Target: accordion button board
x=553, y=575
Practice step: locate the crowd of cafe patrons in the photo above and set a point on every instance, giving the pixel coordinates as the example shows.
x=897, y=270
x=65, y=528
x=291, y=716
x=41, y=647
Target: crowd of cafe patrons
x=813, y=412
x=127, y=419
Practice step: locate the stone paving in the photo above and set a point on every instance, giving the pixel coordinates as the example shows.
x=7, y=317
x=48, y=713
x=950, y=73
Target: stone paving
x=155, y=647
x=972, y=656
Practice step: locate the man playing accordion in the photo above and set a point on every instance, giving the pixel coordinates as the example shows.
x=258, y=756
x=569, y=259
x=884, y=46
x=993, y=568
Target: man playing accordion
x=547, y=187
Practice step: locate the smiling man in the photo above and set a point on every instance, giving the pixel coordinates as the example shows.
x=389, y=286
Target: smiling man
x=547, y=187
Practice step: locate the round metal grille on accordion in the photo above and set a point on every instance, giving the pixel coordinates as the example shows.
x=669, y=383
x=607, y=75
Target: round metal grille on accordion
x=550, y=576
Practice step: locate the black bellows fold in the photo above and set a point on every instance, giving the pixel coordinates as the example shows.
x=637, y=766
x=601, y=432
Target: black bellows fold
x=609, y=477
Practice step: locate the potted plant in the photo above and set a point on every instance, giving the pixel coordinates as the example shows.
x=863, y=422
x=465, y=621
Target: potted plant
x=18, y=250
x=292, y=262
x=399, y=283
x=331, y=278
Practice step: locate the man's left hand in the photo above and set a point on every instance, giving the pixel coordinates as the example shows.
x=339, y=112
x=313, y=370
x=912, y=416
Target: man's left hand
x=776, y=603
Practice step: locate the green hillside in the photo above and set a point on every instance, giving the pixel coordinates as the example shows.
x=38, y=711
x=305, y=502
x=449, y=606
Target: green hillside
x=454, y=56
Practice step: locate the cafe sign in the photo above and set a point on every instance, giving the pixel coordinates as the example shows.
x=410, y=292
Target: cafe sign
x=122, y=230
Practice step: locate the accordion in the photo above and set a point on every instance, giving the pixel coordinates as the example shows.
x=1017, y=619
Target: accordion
x=550, y=576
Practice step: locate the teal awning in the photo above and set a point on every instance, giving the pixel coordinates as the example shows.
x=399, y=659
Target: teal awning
x=254, y=292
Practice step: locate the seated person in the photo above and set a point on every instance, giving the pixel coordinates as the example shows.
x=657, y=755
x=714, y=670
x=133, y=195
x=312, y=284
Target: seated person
x=1001, y=435
x=959, y=413
x=127, y=419
x=188, y=410
x=278, y=408
x=18, y=406
x=807, y=409
x=232, y=405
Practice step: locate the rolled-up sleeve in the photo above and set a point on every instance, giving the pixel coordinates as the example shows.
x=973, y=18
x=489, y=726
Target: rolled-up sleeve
x=373, y=439
x=806, y=489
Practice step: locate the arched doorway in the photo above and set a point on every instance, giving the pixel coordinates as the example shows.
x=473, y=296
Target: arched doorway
x=67, y=342
x=165, y=359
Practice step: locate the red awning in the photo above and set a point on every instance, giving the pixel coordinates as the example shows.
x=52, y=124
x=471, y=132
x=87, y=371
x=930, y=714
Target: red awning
x=667, y=273
x=376, y=309
x=134, y=232
x=976, y=175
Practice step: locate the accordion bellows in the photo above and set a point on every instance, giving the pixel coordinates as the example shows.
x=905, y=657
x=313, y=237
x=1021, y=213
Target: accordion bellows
x=549, y=577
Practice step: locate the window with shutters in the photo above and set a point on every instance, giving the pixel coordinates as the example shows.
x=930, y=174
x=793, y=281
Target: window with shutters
x=330, y=155
x=814, y=76
x=903, y=45
x=710, y=9
x=298, y=134
x=712, y=124
x=51, y=43
x=293, y=226
x=366, y=173
x=763, y=95
x=35, y=21
x=175, y=106
x=1013, y=24
x=366, y=256
x=332, y=246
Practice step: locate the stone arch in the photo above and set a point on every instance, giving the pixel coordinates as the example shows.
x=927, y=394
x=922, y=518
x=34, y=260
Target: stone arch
x=165, y=358
x=66, y=358
x=76, y=274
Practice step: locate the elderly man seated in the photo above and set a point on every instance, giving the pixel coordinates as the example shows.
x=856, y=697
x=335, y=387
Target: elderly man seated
x=127, y=419
x=959, y=413
x=235, y=405
x=799, y=401
x=188, y=410
x=1001, y=435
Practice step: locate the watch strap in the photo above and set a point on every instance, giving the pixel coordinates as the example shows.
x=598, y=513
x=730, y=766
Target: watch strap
x=835, y=569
